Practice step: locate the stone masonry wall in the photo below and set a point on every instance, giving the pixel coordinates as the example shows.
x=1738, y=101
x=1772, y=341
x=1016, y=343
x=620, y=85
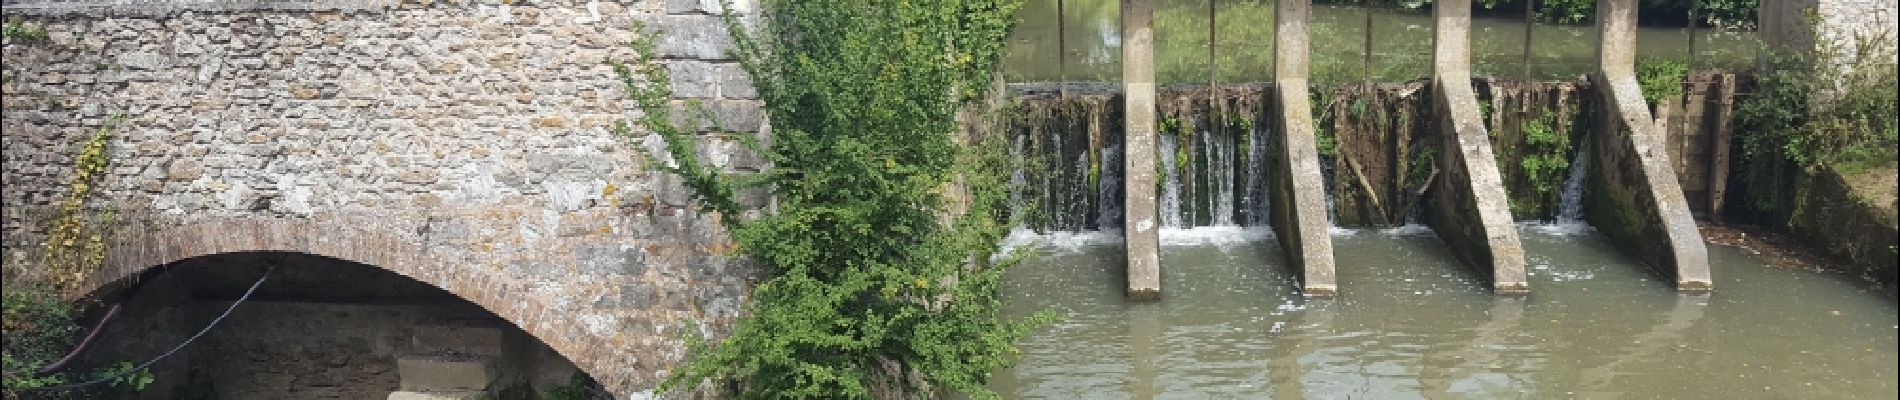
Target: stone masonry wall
x=464, y=144
x=1786, y=22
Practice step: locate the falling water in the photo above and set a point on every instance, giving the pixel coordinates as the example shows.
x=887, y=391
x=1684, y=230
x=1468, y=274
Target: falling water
x=1108, y=195
x=1018, y=179
x=1256, y=197
x=1171, y=183
x=1074, y=180
x=1326, y=174
x=1570, y=206
x=1220, y=170
x=1050, y=206
x=1075, y=209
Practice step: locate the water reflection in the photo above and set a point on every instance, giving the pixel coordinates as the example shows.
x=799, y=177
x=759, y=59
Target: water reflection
x=1645, y=348
x=1087, y=47
x=1410, y=322
x=1477, y=364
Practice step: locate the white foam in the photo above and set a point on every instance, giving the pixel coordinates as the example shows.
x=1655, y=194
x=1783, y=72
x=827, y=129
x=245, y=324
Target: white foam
x=1407, y=230
x=1072, y=241
x=1570, y=228
x=1214, y=235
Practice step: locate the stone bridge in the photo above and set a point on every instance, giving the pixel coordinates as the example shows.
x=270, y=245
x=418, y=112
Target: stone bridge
x=466, y=144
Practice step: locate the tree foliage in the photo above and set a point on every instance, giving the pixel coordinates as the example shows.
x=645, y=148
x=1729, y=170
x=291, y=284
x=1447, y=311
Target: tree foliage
x=877, y=287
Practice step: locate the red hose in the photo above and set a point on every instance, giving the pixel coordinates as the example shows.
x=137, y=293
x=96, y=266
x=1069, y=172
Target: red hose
x=96, y=328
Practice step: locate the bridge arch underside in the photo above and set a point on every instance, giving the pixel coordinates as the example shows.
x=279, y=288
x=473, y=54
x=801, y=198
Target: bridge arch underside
x=315, y=328
x=613, y=298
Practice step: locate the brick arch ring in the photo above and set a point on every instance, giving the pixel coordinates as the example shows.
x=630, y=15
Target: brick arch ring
x=394, y=246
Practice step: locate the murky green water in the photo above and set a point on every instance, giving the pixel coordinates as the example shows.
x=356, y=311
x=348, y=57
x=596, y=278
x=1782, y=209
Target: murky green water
x=1410, y=322
x=1089, y=45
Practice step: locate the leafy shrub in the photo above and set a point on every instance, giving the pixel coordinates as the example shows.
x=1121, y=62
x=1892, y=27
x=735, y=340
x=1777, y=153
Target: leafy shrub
x=872, y=290
x=39, y=329
x=1660, y=79
x=17, y=30
x=1544, y=160
x=1836, y=107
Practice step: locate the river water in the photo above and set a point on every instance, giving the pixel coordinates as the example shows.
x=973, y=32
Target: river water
x=1411, y=322
x=1086, y=45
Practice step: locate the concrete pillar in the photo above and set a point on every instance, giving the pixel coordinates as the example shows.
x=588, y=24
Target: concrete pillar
x=1140, y=230
x=1633, y=196
x=1298, y=192
x=1470, y=210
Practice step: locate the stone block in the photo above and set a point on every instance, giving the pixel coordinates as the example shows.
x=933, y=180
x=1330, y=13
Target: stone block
x=694, y=36
x=693, y=79
x=453, y=395
x=715, y=7
x=734, y=83
x=610, y=260
x=446, y=373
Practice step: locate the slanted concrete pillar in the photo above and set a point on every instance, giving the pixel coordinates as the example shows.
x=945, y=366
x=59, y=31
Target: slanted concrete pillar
x=1140, y=230
x=1298, y=193
x=1633, y=195
x=1470, y=210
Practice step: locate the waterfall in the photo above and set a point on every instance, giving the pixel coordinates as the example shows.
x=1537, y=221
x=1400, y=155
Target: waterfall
x=1108, y=203
x=1050, y=203
x=1171, y=182
x=1018, y=180
x=1570, y=206
x=1075, y=214
x=1257, y=197
x=1328, y=181
x=1220, y=169
x=1070, y=186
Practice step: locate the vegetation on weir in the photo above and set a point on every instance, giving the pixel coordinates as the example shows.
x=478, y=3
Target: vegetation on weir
x=1544, y=155
x=878, y=286
x=1661, y=80
x=1838, y=112
x=1834, y=109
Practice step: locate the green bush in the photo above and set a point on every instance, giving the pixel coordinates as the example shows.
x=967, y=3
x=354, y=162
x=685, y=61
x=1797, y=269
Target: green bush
x=1544, y=160
x=1661, y=79
x=39, y=329
x=579, y=387
x=17, y=30
x=876, y=287
x=1835, y=112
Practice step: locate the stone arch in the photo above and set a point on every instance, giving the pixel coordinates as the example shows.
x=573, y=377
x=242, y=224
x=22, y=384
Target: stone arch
x=390, y=245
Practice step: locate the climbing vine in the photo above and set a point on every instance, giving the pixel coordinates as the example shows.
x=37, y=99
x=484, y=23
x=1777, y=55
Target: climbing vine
x=875, y=288
x=75, y=240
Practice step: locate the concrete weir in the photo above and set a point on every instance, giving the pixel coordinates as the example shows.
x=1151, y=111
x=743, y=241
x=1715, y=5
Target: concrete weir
x=1469, y=206
x=1635, y=199
x=1141, y=231
x=1297, y=192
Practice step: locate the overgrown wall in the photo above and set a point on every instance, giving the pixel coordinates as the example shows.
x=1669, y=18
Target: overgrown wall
x=464, y=144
